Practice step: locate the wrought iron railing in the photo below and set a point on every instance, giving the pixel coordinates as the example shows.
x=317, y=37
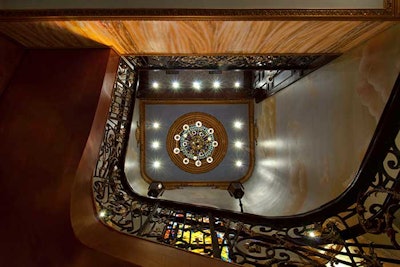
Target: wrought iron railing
x=356, y=229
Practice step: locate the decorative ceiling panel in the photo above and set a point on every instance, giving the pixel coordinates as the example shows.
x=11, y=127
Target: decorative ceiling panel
x=196, y=143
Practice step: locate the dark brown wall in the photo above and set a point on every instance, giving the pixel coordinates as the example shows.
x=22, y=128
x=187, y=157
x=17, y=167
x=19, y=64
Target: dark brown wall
x=45, y=117
x=10, y=56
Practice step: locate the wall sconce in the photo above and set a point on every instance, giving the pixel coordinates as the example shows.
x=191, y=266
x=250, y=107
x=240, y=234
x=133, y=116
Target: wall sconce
x=236, y=190
x=155, y=189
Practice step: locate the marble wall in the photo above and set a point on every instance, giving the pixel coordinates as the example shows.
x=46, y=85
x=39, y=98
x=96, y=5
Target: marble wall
x=313, y=134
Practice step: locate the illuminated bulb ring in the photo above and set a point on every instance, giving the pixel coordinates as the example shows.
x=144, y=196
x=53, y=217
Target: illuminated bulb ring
x=177, y=137
x=203, y=142
x=196, y=143
x=177, y=150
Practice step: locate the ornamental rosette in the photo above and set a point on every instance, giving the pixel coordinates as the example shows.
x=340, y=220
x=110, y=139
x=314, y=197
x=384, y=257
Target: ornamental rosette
x=197, y=142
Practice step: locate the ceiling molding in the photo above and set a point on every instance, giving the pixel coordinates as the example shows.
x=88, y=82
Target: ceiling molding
x=388, y=11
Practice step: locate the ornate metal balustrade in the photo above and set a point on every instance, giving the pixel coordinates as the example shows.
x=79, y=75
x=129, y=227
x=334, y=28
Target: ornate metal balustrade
x=359, y=228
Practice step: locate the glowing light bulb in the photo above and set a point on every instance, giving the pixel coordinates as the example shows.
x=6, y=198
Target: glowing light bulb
x=156, y=125
x=237, y=84
x=239, y=163
x=155, y=145
x=196, y=85
x=156, y=164
x=175, y=85
x=156, y=85
x=238, y=125
x=102, y=214
x=238, y=144
x=216, y=84
x=313, y=233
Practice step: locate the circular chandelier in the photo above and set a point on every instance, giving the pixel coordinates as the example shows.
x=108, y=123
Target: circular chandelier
x=197, y=142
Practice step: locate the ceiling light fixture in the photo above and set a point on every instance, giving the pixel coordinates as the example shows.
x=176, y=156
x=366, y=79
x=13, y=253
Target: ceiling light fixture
x=196, y=142
x=175, y=85
x=216, y=84
x=238, y=163
x=197, y=85
x=156, y=125
x=155, y=145
x=238, y=144
x=237, y=84
x=156, y=164
x=156, y=85
x=238, y=125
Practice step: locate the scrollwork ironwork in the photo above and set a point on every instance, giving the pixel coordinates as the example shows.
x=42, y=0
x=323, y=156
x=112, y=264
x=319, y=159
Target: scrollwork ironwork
x=275, y=62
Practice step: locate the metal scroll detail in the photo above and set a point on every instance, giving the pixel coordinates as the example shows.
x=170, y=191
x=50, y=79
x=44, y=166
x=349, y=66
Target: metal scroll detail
x=359, y=228
x=249, y=62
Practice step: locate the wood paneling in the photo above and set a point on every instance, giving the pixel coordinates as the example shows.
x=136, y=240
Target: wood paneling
x=196, y=37
x=46, y=114
x=397, y=8
x=10, y=56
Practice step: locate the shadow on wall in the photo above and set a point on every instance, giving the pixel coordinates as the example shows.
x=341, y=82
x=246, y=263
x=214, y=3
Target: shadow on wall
x=42, y=34
x=10, y=56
